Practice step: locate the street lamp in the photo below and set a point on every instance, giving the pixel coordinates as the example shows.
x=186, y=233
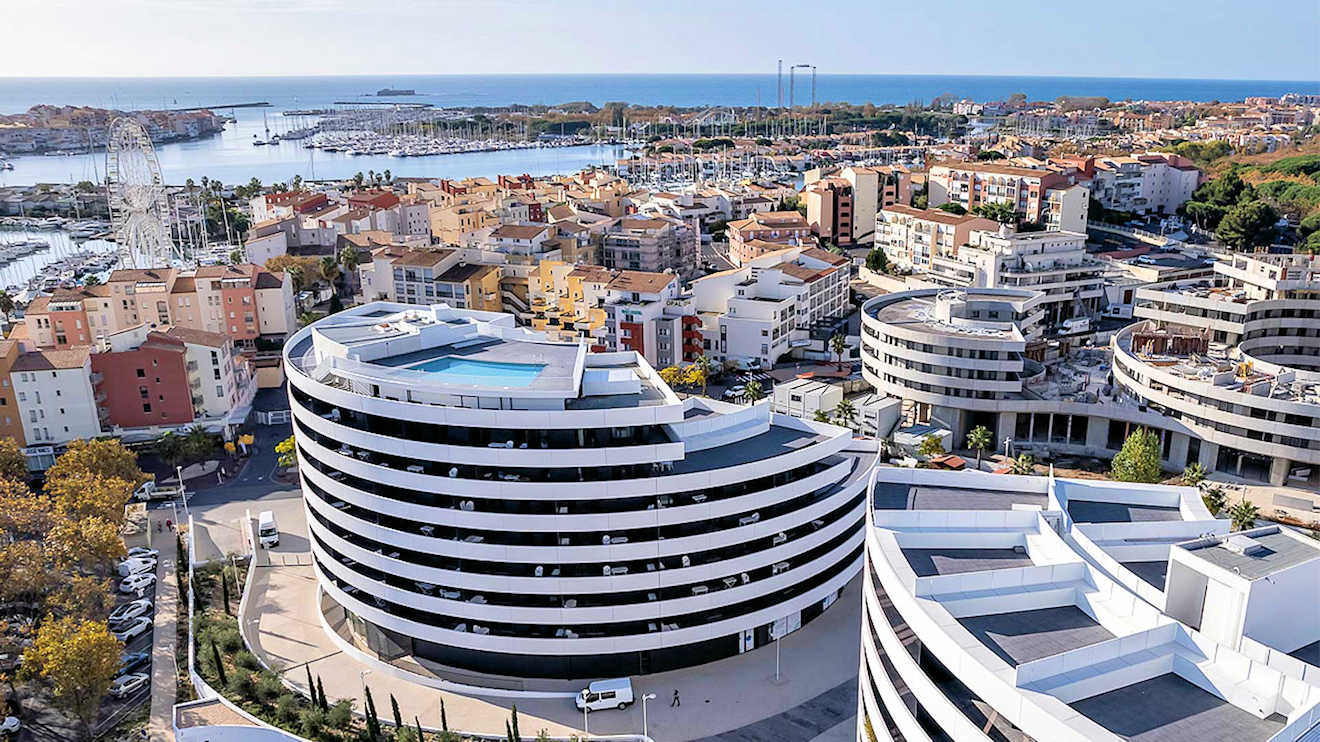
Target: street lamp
x=362, y=676
x=645, y=698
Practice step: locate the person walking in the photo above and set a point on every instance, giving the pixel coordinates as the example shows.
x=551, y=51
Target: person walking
x=676, y=701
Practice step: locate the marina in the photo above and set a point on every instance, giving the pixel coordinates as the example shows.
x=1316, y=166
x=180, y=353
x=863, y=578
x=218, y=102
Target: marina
x=35, y=260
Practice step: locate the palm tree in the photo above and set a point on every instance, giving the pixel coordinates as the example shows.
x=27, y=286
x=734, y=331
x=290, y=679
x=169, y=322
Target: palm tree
x=388, y=177
x=979, y=439
x=844, y=412
x=6, y=302
x=822, y=416
x=839, y=344
x=198, y=443
x=296, y=182
x=1193, y=475
x=1024, y=464
x=1243, y=515
x=753, y=392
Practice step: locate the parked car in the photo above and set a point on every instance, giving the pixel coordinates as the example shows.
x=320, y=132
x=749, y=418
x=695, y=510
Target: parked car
x=135, y=565
x=137, y=582
x=142, y=552
x=131, y=629
x=126, y=685
x=10, y=725
x=130, y=661
x=131, y=610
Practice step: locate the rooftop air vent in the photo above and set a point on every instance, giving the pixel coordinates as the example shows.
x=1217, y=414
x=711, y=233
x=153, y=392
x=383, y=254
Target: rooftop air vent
x=1243, y=545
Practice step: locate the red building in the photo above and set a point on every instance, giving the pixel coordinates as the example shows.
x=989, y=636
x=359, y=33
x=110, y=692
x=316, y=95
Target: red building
x=143, y=385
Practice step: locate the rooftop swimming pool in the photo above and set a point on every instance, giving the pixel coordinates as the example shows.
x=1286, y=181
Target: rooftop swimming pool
x=481, y=373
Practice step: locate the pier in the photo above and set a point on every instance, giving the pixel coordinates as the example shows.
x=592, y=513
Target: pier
x=258, y=104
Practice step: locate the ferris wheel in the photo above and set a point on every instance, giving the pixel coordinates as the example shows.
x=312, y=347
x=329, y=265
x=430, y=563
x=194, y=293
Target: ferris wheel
x=136, y=192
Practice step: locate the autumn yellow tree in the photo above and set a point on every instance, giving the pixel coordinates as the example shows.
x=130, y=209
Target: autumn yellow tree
x=13, y=462
x=104, y=458
x=25, y=573
x=79, y=659
x=671, y=375
x=23, y=513
x=87, y=495
x=85, y=598
x=84, y=543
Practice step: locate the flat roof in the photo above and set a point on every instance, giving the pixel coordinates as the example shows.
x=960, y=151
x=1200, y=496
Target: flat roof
x=919, y=311
x=928, y=562
x=891, y=496
x=1166, y=708
x=1024, y=636
x=1280, y=552
x=1154, y=572
x=1090, y=511
x=776, y=441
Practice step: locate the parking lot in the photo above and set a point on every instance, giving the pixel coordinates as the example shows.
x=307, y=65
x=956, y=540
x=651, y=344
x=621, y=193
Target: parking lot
x=42, y=721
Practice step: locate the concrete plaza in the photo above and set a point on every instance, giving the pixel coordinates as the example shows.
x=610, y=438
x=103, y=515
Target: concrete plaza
x=732, y=700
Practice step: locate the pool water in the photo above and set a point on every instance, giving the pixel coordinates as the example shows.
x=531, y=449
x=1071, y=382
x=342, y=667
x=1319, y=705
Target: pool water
x=481, y=373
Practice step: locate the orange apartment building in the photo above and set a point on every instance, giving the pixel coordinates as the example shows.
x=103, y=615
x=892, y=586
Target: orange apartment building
x=766, y=232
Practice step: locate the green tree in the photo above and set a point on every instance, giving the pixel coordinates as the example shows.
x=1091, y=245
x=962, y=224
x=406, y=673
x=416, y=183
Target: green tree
x=1023, y=465
x=845, y=413
x=1139, y=459
x=1214, y=499
x=6, y=302
x=952, y=208
x=1000, y=211
x=1243, y=515
x=373, y=721
x=877, y=261
x=930, y=446
x=517, y=736
x=979, y=439
x=1248, y=226
x=1193, y=475
x=287, y=450
x=839, y=346
x=394, y=708
x=754, y=392
x=821, y=416
x=219, y=665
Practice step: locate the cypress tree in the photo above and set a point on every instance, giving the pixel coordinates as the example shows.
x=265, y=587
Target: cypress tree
x=508, y=731
x=394, y=706
x=444, y=722
x=418, y=722
x=373, y=721
x=219, y=666
x=320, y=692
x=224, y=587
x=311, y=685
x=517, y=737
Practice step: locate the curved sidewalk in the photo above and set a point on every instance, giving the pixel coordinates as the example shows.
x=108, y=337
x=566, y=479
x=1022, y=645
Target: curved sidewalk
x=738, y=695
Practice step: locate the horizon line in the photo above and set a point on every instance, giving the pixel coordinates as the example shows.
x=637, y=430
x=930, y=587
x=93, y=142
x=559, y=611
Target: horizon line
x=645, y=74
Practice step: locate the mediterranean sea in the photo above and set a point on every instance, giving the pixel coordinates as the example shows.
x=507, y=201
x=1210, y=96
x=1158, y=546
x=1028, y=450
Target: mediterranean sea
x=230, y=157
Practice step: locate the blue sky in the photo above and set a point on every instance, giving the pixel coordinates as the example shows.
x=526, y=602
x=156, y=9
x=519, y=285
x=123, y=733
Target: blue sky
x=1274, y=39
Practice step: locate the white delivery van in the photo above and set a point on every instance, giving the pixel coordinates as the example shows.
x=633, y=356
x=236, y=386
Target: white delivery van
x=606, y=694
x=267, y=532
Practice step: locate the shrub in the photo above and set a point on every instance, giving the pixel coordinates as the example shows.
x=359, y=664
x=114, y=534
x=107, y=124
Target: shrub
x=286, y=709
x=340, y=714
x=242, y=685
x=229, y=639
x=269, y=687
x=247, y=660
x=311, y=721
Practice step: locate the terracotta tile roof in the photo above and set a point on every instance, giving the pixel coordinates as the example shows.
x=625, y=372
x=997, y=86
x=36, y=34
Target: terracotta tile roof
x=519, y=231
x=243, y=270
x=142, y=275
x=825, y=256
x=642, y=282
x=53, y=360
x=466, y=271
x=184, y=285
x=269, y=280
x=423, y=258
x=197, y=337
x=591, y=273
x=931, y=215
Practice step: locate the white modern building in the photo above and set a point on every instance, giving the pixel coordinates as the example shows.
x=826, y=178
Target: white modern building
x=1054, y=263
x=1235, y=362
x=483, y=499
x=1032, y=608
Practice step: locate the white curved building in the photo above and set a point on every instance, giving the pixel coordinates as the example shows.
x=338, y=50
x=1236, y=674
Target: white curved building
x=485, y=500
x=1227, y=371
x=1234, y=363
x=1028, y=608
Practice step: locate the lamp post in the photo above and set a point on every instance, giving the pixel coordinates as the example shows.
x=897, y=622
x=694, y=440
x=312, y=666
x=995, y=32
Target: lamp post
x=646, y=697
x=586, y=728
x=362, y=676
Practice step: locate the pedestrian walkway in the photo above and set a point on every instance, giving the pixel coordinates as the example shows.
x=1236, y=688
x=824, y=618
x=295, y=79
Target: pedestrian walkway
x=164, y=686
x=816, y=683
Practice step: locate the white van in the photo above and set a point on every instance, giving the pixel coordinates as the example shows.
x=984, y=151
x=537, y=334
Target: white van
x=267, y=532
x=606, y=694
